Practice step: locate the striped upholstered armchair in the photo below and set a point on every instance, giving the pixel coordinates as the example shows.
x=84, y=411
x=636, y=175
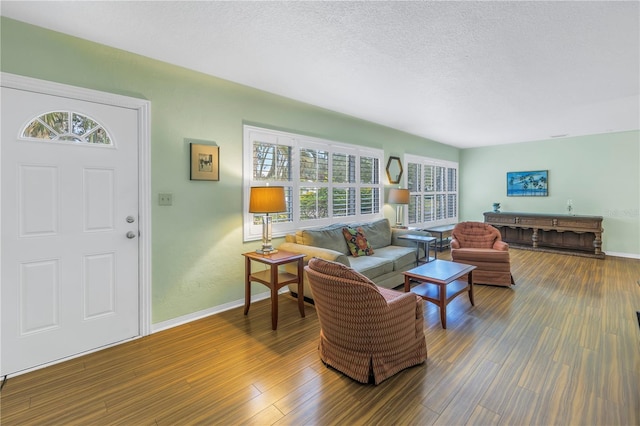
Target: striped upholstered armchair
x=367, y=332
x=480, y=244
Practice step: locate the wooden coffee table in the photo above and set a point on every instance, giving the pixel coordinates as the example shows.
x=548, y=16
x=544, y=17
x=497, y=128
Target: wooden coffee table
x=440, y=283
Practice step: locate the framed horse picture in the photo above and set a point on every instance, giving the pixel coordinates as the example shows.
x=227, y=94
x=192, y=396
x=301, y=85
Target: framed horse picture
x=205, y=162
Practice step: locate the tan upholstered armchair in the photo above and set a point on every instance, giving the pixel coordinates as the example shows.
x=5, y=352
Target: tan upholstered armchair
x=480, y=244
x=367, y=332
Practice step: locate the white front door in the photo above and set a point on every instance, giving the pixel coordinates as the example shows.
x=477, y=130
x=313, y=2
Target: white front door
x=69, y=227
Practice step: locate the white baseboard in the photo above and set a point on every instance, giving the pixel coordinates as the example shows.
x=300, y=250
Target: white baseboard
x=628, y=255
x=174, y=322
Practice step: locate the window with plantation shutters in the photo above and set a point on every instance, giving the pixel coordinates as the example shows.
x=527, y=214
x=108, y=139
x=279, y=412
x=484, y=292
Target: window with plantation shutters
x=271, y=163
x=325, y=181
x=433, y=185
x=343, y=193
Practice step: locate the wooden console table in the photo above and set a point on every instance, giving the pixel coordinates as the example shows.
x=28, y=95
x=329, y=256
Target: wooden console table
x=560, y=233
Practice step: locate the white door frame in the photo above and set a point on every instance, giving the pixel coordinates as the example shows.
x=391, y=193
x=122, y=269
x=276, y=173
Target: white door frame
x=143, y=108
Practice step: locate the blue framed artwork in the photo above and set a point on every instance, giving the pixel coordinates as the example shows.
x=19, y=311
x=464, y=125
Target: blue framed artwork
x=528, y=184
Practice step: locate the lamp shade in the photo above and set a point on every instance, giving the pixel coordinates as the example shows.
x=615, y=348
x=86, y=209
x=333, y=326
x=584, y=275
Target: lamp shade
x=398, y=196
x=267, y=199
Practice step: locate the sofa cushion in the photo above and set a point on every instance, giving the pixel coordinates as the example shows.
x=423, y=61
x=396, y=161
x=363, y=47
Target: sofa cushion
x=357, y=241
x=290, y=238
x=400, y=256
x=329, y=237
x=371, y=266
x=378, y=232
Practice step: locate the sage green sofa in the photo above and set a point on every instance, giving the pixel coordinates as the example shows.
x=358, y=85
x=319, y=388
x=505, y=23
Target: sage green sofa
x=391, y=256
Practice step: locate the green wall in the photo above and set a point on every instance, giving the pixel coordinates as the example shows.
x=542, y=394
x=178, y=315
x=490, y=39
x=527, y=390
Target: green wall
x=600, y=173
x=197, y=242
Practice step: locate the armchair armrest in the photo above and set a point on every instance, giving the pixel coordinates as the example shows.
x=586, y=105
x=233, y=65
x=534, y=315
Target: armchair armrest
x=500, y=245
x=454, y=244
x=403, y=308
x=312, y=251
x=407, y=301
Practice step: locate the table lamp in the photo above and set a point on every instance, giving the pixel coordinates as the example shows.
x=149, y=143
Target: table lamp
x=267, y=199
x=400, y=197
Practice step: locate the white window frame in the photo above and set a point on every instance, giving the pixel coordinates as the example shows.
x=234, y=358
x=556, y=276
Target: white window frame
x=69, y=137
x=253, y=231
x=417, y=194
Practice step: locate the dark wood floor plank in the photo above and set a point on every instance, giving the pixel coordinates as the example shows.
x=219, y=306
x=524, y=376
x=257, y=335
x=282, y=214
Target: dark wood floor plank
x=560, y=347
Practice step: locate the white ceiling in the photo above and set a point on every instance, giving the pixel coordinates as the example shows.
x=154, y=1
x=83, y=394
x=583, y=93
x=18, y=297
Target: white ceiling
x=466, y=74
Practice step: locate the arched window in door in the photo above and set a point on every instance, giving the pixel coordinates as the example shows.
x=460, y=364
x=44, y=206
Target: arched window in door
x=67, y=126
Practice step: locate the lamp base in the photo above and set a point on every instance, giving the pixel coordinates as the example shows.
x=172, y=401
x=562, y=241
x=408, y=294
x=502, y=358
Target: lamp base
x=266, y=251
x=267, y=247
x=399, y=217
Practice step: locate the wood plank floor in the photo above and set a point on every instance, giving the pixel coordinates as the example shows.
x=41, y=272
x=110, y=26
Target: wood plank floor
x=560, y=348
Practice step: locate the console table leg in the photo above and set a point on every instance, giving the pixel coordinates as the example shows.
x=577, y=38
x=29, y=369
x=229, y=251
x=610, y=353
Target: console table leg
x=597, y=243
x=534, y=238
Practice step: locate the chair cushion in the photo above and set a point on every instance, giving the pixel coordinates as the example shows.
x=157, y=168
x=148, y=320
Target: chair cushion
x=357, y=241
x=339, y=270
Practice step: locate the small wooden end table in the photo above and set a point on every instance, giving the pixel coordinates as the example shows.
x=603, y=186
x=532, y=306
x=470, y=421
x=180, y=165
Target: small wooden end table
x=273, y=278
x=440, y=283
x=419, y=240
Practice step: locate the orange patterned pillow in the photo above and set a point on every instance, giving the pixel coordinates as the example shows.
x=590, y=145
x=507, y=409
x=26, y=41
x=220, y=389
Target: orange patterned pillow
x=357, y=242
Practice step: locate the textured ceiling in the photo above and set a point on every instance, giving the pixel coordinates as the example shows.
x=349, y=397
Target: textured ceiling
x=462, y=73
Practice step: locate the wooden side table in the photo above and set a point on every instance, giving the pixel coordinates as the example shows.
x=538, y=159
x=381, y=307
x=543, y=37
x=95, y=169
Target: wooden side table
x=443, y=232
x=419, y=240
x=273, y=278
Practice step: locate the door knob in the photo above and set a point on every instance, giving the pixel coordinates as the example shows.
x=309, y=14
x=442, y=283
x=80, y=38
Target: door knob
x=131, y=234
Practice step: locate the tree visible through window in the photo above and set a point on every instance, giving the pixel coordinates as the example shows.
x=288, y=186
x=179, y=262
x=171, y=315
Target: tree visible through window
x=324, y=181
x=66, y=126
